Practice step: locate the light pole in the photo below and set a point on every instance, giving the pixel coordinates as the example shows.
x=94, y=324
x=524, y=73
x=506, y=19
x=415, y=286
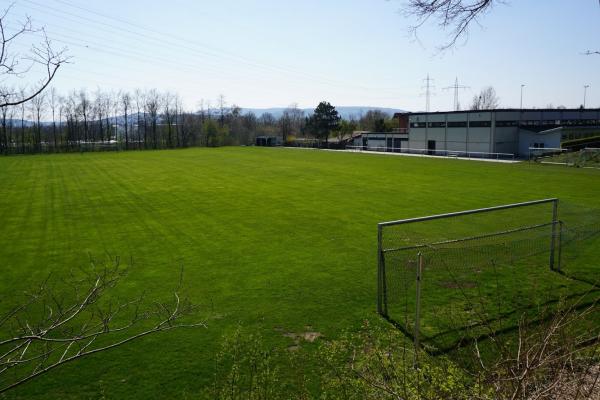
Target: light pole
x=585, y=88
x=522, y=86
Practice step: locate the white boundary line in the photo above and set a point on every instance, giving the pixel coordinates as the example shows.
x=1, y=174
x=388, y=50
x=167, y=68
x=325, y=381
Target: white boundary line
x=421, y=155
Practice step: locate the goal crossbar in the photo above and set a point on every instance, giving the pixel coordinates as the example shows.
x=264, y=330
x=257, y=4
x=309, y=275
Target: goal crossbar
x=467, y=212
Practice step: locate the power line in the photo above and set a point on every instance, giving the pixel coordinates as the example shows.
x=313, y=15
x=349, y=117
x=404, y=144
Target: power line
x=125, y=53
x=456, y=88
x=178, y=43
x=257, y=68
x=162, y=42
x=147, y=59
x=428, y=88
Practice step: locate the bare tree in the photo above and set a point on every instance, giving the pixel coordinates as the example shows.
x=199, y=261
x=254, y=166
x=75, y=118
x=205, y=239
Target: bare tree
x=222, y=109
x=179, y=129
x=114, y=103
x=62, y=106
x=208, y=111
x=72, y=114
x=200, y=111
x=53, y=102
x=486, y=100
x=168, y=114
x=139, y=105
x=152, y=105
x=4, y=138
x=22, y=107
x=126, y=104
x=453, y=15
x=38, y=104
x=291, y=121
x=14, y=64
x=84, y=109
x=285, y=124
x=61, y=322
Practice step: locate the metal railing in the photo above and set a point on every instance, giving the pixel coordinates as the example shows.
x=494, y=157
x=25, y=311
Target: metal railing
x=545, y=152
x=439, y=153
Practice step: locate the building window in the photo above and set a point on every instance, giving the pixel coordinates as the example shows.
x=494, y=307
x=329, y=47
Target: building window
x=418, y=124
x=551, y=122
x=437, y=124
x=531, y=122
x=457, y=124
x=580, y=122
x=480, y=124
x=506, y=124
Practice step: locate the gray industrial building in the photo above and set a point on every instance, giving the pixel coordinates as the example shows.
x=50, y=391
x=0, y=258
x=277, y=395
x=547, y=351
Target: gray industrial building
x=511, y=131
x=483, y=133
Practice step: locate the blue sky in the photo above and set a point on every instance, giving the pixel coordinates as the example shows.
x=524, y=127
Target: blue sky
x=354, y=52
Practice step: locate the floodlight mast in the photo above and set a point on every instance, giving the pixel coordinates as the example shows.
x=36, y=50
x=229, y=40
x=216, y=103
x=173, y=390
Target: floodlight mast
x=585, y=88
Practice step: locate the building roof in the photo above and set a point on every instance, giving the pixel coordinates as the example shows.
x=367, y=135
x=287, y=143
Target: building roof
x=358, y=134
x=543, y=132
x=508, y=110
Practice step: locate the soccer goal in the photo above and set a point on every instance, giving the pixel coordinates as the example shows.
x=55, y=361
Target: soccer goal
x=444, y=277
x=586, y=158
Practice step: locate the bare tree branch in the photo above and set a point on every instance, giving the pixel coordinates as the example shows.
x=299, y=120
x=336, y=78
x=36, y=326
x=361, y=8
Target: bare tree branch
x=58, y=324
x=17, y=65
x=453, y=15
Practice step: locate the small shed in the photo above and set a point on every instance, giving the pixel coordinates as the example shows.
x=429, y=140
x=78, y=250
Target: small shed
x=268, y=141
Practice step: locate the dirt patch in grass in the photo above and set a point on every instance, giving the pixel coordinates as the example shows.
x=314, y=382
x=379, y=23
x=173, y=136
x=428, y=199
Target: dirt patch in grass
x=308, y=335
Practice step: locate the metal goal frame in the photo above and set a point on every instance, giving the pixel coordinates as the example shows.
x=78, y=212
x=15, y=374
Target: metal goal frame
x=554, y=262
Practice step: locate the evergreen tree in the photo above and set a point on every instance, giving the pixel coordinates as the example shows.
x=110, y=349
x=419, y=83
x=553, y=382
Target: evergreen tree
x=324, y=121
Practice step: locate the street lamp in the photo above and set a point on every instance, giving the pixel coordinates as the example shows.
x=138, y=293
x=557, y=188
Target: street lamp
x=585, y=88
x=522, y=86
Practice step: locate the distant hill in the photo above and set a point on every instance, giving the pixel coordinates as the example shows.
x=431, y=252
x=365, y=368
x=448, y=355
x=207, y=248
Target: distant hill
x=345, y=112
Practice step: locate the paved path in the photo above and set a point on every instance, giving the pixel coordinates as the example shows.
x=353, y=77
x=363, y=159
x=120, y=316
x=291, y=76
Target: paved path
x=414, y=155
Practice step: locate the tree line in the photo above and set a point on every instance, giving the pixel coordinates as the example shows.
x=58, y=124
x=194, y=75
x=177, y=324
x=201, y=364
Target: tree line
x=150, y=119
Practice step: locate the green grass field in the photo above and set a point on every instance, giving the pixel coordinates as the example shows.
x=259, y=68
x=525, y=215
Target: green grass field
x=271, y=239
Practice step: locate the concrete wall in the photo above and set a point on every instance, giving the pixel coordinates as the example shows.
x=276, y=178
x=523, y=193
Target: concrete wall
x=449, y=137
x=417, y=137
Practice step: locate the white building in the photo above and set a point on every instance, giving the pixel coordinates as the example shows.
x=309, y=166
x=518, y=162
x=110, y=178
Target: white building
x=480, y=133
x=381, y=141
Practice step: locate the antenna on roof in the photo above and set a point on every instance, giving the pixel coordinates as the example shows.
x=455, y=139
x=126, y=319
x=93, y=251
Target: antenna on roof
x=456, y=88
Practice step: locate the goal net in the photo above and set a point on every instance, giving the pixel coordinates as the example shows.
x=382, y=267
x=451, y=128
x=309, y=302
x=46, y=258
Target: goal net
x=587, y=157
x=447, y=277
